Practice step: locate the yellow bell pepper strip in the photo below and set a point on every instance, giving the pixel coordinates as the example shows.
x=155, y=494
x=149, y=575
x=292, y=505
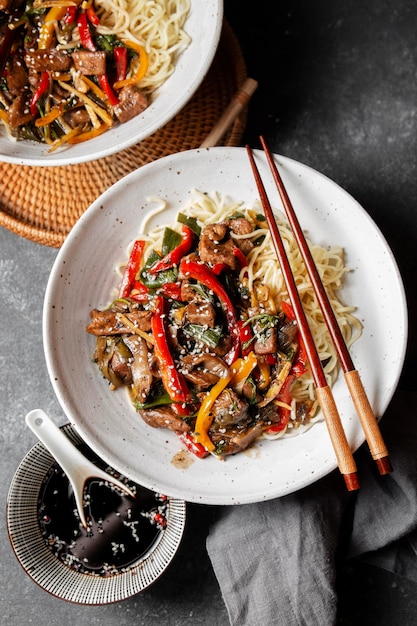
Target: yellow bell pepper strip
x=204, y=418
x=142, y=68
x=243, y=367
x=132, y=268
x=40, y=90
x=46, y=33
x=238, y=372
x=52, y=115
x=174, y=257
x=173, y=381
x=202, y=273
x=264, y=373
x=89, y=134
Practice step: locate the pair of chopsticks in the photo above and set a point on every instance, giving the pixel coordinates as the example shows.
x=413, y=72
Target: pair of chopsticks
x=369, y=423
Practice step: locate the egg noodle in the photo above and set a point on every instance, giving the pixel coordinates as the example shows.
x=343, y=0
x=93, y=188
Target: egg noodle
x=157, y=25
x=263, y=266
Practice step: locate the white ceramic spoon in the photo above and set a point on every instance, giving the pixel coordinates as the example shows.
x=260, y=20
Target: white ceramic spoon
x=76, y=466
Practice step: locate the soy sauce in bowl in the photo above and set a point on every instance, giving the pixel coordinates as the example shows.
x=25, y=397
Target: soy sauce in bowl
x=121, y=530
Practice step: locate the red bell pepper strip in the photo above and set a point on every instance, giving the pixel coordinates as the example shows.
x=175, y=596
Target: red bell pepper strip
x=105, y=86
x=84, y=32
x=120, y=61
x=70, y=15
x=174, y=257
x=299, y=367
x=42, y=88
x=172, y=290
x=196, y=448
x=92, y=16
x=139, y=292
x=131, y=269
x=283, y=396
x=173, y=381
x=246, y=337
x=243, y=261
x=202, y=273
x=88, y=44
x=218, y=268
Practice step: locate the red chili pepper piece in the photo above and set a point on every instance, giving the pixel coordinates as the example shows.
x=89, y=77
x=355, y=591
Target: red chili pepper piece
x=42, y=87
x=70, y=15
x=246, y=337
x=299, y=367
x=196, y=448
x=173, y=381
x=92, y=16
x=105, y=86
x=120, y=60
x=240, y=257
x=84, y=32
x=88, y=44
x=199, y=271
x=284, y=396
x=218, y=268
x=175, y=256
x=172, y=290
x=131, y=269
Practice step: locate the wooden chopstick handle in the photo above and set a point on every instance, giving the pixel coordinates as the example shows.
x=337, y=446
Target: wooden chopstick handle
x=368, y=421
x=237, y=104
x=344, y=456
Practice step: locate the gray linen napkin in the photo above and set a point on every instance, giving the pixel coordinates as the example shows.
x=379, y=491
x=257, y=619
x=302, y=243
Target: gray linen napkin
x=275, y=561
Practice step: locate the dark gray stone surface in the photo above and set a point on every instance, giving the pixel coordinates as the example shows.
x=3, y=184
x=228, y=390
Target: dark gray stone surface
x=337, y=91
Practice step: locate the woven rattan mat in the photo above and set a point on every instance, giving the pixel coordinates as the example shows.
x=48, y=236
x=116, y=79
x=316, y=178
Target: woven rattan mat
x=43, y=203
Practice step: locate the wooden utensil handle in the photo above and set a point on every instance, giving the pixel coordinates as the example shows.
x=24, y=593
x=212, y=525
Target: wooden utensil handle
x=344, y=456
x=366, y=415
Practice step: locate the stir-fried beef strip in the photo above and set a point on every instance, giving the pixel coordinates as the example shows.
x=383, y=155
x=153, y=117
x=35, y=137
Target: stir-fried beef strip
x=132, y=102
x=89, y=63
x=50, y=60
x=229, y=409
x=139, y=365
x=216, y=246
x=236, y=440
x=202, y=313
x=110, y=322
x=163, y=417
x=203, y=370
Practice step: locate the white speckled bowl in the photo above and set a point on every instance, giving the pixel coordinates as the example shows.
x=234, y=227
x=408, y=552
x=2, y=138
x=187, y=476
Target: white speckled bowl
x=204, y=25
x=84, y=276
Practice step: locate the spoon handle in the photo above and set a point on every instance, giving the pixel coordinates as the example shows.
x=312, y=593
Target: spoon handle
x=75, y=465
x=71, y=460
x=65, y=453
